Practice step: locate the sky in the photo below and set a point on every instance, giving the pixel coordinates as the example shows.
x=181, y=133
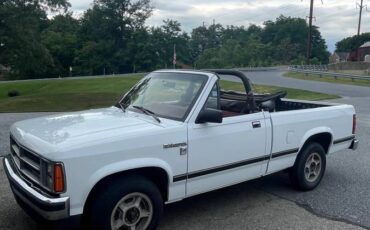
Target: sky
x=336, y=19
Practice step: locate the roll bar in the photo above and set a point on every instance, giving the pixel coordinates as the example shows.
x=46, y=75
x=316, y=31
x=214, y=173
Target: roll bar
x=251, y=104
x=236, y=73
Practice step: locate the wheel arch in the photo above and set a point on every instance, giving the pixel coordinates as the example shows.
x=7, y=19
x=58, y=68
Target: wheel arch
x=322, y=135
x=159, y=174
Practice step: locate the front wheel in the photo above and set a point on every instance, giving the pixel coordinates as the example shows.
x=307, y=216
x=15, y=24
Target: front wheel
x=309, y=167
x=128, y=203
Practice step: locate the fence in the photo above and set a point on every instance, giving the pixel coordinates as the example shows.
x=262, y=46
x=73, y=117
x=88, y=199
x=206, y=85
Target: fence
x=328, y=74
x=311, y=67
x=257, y=69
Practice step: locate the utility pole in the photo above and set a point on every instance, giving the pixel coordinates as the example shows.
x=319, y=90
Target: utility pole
x=309, y=41
x=361, y=5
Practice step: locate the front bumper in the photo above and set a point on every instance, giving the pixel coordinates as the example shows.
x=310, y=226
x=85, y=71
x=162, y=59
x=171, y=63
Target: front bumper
x=31, y=200
x=354, y=144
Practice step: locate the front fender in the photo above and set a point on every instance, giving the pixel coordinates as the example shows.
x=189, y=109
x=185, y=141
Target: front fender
x=122, y=166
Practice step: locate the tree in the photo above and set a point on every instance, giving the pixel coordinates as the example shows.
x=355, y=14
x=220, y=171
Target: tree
x=21, y=23
x=60, y=38
x=282, y=41
x=240, y=33
x=319, y=49
x=111, y=37
x=105, y=47
x=289, y=36
x=164, y=39
x=203, y=38
x=352, y=43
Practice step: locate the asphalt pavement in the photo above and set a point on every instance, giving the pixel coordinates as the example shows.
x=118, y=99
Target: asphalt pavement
x=342, y=201
x=234, y=208
x=276, y=78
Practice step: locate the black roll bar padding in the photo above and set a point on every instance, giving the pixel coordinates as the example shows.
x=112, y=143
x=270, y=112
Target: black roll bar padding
x=247, y=85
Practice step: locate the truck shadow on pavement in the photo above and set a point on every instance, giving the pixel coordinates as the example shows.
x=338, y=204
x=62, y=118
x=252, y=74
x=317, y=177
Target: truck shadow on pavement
x=242, y=206
x=249, y=205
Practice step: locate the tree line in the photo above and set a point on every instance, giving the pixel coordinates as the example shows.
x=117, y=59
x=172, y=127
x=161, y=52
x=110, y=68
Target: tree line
x=352, y=43
x=111, y=37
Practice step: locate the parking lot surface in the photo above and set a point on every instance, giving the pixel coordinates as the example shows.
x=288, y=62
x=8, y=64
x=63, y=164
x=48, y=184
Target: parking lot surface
x=342, y=200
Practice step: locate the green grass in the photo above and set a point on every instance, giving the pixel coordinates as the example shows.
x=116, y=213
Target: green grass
x=355, y=72
x=79, y=94
x=314, y=77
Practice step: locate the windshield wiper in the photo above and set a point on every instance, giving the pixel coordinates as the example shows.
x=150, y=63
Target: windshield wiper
x=147, y=112
x=122, y=107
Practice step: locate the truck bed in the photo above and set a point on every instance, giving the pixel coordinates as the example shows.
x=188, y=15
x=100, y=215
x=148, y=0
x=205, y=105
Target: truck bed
x=289, y=104
x=269, y=102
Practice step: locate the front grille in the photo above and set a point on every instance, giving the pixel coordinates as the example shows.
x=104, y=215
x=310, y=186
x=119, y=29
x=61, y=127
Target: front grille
x=28, y=163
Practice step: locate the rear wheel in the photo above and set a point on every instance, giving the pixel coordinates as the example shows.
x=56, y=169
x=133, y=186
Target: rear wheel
x=129, y=203
x=309, y=167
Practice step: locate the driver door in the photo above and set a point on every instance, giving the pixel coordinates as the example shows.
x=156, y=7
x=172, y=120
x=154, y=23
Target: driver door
x=223, y=154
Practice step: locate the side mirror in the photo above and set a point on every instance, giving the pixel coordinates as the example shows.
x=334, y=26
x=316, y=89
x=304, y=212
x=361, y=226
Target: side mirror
x=209, y=115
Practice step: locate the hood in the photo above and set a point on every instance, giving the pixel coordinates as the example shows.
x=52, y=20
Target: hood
x=44, y=134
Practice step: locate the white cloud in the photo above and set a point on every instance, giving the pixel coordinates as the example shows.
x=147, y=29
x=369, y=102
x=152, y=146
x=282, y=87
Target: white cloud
x=336, y=18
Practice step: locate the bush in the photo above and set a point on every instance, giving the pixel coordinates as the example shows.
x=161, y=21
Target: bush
x=13, y=93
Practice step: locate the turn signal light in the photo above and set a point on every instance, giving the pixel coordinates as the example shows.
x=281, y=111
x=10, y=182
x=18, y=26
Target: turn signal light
x=58, y=178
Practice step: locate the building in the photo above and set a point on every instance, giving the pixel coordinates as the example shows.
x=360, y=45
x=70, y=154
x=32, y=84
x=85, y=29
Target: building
x=363, y=51
x=367, y=58
x=339, y=57
x=360, y=53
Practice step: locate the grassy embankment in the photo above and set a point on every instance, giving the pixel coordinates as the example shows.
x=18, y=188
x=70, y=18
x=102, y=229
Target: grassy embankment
x=314, y=77
x=79, y=94
x=355, y=72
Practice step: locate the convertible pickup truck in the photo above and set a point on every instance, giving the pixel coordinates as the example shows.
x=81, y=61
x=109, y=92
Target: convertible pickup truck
x=174, y=135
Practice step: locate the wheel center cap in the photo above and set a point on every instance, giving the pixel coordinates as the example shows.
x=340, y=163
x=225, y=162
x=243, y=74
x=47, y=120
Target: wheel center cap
x=132, y=215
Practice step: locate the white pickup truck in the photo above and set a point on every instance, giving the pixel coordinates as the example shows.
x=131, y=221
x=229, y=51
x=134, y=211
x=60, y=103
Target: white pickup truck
x=175, y=134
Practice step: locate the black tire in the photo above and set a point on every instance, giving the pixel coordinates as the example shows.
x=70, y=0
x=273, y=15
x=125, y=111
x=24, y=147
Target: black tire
x=99, y=215
x=297, y=174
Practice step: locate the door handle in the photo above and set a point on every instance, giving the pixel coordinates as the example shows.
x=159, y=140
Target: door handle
x=183, y=150
x=256, y=124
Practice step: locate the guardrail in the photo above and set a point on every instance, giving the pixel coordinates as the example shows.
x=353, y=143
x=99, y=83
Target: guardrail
x=256, y=69
x=330, y=74
x=311, y=67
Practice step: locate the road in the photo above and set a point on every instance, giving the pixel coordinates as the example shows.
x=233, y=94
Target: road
x=276, y=78
x=342, y=201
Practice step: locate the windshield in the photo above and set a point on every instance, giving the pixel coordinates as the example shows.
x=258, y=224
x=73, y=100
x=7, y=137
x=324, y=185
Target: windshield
x=168, y=95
